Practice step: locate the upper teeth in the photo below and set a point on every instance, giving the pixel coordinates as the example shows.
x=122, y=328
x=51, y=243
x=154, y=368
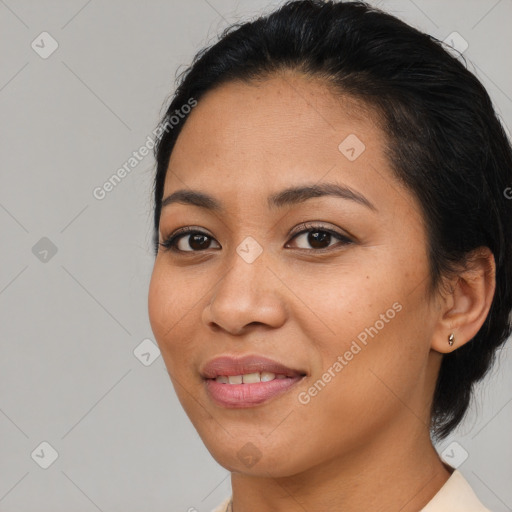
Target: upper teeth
x=249, y=378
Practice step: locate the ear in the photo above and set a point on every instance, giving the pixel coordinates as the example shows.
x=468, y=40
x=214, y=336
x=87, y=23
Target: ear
x=466, y=304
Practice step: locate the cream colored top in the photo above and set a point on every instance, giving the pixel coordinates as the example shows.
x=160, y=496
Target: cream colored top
x=456, y=495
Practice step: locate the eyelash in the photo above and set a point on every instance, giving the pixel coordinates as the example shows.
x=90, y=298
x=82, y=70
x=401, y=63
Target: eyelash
x=169, y=244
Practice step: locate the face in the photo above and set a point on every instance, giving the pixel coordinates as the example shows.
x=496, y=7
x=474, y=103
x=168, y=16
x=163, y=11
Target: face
x=333, y=285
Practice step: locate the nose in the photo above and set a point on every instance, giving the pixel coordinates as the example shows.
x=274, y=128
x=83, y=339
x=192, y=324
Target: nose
x=247, y=295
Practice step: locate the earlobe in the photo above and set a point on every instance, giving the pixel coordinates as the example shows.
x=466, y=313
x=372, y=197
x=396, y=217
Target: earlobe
x=467, y=305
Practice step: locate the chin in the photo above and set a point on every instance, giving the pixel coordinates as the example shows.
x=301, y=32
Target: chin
x=251, y=458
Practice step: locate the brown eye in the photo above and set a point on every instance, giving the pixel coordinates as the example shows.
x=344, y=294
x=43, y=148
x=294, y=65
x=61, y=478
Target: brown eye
x=319, y=238
x=195, y=242
x=188, y=240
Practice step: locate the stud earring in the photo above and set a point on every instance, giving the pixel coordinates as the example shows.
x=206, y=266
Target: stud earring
x=450, y=339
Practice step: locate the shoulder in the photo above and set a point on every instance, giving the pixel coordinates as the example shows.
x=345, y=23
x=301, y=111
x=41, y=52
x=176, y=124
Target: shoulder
x=456, y=495
x=224, y=506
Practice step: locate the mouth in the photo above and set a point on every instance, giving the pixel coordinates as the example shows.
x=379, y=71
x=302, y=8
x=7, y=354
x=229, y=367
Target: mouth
x=248, y=381
x=251, y=378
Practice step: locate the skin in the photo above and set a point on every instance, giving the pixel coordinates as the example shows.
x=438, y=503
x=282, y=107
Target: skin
x=362, y=443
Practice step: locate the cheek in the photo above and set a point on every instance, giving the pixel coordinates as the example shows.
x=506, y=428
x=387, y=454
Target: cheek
x=160, y=304
x=338, y=303
x=171, y=310
x=361, y=387
x=364, y=328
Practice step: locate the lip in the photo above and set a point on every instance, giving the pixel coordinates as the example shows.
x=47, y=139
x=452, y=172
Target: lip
x=231, y=365
x=247, y=395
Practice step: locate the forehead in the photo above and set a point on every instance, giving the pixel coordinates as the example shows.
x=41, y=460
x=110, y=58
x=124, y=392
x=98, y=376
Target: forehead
x=250, y=138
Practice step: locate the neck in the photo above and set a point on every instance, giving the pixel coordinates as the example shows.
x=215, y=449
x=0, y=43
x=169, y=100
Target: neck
x=395, y=471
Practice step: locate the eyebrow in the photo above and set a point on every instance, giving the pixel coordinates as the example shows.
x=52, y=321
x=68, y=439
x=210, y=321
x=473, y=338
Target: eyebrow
x=287, y=197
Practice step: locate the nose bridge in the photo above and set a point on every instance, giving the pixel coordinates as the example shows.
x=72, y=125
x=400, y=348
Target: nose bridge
x=244, y=274
x=244, y=294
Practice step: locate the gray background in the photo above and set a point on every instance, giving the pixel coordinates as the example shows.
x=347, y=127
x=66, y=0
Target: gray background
x=71, y=321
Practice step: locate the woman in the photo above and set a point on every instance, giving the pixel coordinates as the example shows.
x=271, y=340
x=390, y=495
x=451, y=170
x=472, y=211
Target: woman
x=333, y=264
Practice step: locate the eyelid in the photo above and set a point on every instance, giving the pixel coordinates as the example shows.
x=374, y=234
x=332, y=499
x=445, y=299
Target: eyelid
x=185, y=230
x=169, y=242
x=311, y=225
